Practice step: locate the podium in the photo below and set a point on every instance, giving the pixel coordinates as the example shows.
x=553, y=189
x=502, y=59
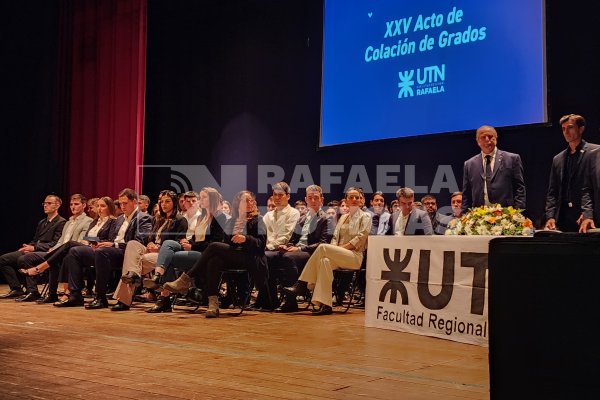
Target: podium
x=543, y=311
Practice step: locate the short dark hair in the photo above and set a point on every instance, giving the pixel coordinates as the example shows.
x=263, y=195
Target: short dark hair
x=79, y=197
x=427, y=197
x=284, y=187
x=56, y=198
x=129, y=193
x=579, y=120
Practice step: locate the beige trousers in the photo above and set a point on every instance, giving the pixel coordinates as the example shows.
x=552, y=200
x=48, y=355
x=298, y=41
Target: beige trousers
x=318, y=271
x=136, y=260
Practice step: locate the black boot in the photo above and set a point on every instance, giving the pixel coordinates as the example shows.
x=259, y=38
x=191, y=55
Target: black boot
x=300, y=288
x=154, y=282
x=163, y=304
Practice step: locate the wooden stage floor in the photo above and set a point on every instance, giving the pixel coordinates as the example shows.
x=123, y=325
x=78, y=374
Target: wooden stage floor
x=50, y=353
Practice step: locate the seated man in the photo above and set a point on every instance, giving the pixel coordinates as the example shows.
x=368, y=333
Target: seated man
x=280, y=223
x=439, y=221
x=311, y=230
x=456, y=204
x=73, y=230
x=106, y=256
x=409, y=220
x=46, y=235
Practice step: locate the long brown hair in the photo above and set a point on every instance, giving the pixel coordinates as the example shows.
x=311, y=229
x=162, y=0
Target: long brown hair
x=214, y=203
x=235, y=212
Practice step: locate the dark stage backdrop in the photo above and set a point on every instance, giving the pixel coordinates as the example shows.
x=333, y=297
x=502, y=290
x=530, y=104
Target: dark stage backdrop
x=238, y=83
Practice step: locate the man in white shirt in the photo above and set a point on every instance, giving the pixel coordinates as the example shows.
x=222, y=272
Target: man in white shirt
x=409, y=220
x=191, y=213
x=280, y=223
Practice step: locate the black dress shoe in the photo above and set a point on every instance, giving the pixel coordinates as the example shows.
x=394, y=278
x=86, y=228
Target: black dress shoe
x=29, y=297
x=119, y=307
x=163, y=304
x=12, y=294
x=300, y=288
x=323, y=310
x=288, y=305
x=131, y=278
x=98, y=303
x=72, y=301
x=48, y=299
x=152, y=283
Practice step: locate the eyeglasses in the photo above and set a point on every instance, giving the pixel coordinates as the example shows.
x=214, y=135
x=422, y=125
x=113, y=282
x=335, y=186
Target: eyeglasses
x=353, y=197
x=48, y=203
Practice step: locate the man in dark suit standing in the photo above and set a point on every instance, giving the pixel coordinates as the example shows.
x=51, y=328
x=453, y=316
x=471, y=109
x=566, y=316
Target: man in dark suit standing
x=492, y=176
x=563, y=199
x=132, y=224
x=46, y=235
x=409, y=220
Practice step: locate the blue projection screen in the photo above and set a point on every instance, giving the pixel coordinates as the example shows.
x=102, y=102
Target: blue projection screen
x=398, y=68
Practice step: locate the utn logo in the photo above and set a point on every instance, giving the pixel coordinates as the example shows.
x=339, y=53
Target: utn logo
x=430, y=80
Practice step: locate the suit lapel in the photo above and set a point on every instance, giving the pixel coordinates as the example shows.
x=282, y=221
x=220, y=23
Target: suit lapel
x=479, y=166
x=497, y=163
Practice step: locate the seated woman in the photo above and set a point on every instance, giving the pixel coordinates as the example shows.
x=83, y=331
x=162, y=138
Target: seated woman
x=346, y=250
x=184, y=253
x=139, y=260
x=99, y=229
x=244, y=248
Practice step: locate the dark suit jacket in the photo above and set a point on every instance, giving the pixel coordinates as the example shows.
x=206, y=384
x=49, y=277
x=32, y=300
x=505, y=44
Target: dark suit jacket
x=555, y=196
x=418, y=223
x=214, y=233
x=507, y=186
x=139, y=228
x=319, y=232
x=107, y=233
x=47, y=233
x=175, y=231
x=590, y=192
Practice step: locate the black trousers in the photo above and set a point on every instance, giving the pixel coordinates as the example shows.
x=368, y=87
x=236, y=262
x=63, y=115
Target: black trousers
x=283, y=268
x=9, y=263
x=217, y=257
x=55, y=272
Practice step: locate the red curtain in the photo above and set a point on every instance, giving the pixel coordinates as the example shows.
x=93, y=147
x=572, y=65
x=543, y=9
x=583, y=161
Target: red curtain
x=106, y=47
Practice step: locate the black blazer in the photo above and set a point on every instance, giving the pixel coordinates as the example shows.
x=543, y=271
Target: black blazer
x=107, y=233
x=555, y=196
x=176, y=231
x=48, y=233
x=214, y=233
x=139, y=228
x=254, y=247
x=319, y=232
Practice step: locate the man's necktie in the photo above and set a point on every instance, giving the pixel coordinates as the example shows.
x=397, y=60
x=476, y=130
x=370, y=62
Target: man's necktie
x=488, y=169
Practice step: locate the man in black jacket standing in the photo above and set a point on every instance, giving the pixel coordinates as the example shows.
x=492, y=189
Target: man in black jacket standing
x=563, y=199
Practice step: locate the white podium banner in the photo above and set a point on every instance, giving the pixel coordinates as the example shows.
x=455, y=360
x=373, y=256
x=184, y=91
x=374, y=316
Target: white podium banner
x=429, y=285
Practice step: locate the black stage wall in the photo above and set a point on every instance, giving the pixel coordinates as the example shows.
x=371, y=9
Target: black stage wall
x=238, y=82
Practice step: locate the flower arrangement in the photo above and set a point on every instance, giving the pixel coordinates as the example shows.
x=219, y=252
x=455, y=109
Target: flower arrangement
x=493, y=220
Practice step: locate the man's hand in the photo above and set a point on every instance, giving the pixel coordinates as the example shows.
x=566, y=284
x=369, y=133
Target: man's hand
x=26, y=248
x=550, y=224
x=586, y=224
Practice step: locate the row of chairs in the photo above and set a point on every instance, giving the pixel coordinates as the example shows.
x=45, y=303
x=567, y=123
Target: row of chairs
x=237, y=284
